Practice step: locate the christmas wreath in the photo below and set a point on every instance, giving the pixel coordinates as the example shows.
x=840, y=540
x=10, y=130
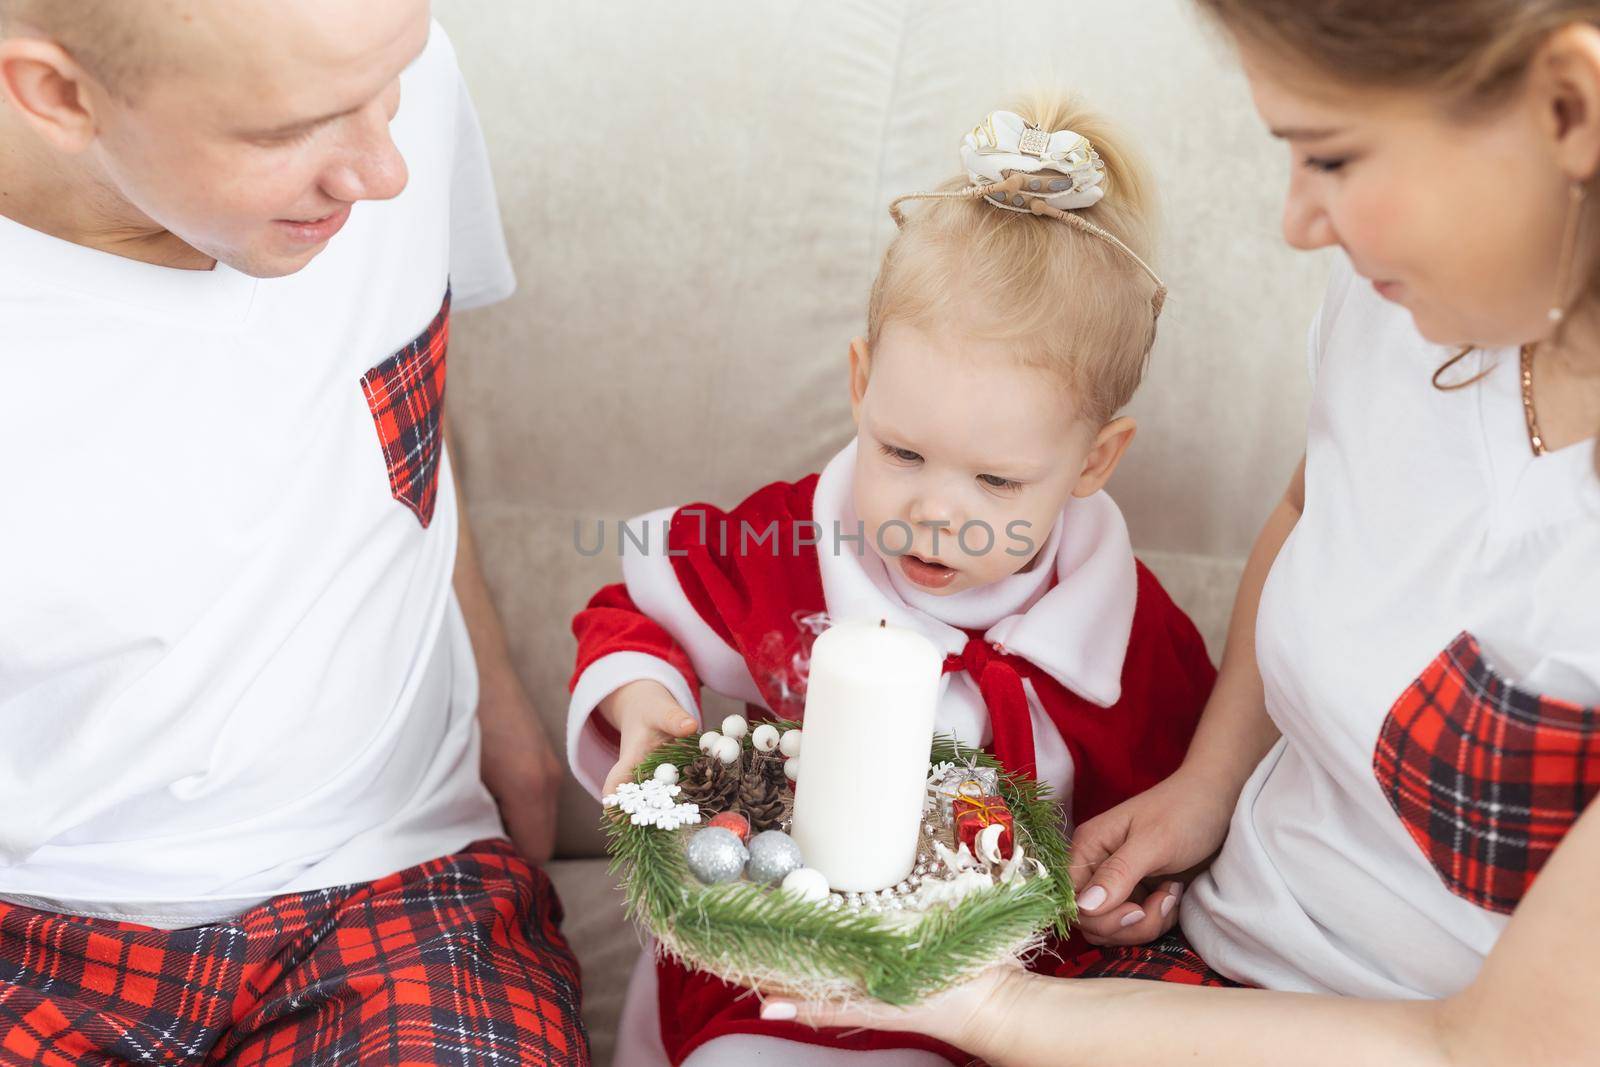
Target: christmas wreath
x=698, y=839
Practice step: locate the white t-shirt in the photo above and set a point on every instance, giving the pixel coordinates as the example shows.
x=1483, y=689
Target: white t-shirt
x=1426, y=517
x=231, y=661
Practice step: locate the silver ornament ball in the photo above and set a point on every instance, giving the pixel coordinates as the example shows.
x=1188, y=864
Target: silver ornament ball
x=773, y=854
x=716, y=855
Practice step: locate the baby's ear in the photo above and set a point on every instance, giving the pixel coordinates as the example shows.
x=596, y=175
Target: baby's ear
x=1110, y=445
x=860, y=364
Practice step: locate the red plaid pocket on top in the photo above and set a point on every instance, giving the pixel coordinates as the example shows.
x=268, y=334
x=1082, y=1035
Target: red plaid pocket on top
x=1486, y=777
x=406, y=396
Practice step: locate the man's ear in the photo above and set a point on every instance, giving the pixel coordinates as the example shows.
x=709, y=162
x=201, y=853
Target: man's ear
x=1110, y=445
x=860, y=366
x=46, y=86
x=1565, y=83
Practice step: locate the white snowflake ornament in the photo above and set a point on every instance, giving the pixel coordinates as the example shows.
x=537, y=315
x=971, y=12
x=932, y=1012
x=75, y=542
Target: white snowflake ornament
x=652, y=803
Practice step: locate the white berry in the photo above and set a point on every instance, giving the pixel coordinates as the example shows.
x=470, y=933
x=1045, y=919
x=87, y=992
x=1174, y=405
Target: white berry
x=765, y=737
x=708, y=740
x=807, y=883
x=727, y=750
x=735, y=727
x=667, y=774
x=791, y=768
x=790, y=744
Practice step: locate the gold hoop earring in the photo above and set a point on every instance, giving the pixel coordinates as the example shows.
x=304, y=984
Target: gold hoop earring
x=1569, y=251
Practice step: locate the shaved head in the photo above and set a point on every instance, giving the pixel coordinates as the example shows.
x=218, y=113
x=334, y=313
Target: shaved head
x=111, y=38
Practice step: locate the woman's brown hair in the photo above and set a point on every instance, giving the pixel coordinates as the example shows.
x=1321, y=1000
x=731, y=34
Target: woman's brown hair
x=1471, y=52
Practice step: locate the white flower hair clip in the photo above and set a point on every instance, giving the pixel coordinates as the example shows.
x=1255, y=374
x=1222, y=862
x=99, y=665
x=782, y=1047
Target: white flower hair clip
x=1065, y=172
x=1015, y=165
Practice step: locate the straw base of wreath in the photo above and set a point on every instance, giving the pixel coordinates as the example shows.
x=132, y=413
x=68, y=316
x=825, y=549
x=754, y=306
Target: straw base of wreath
x=785, y=984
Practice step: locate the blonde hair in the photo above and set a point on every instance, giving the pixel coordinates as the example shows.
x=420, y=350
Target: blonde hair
x=1074, y=302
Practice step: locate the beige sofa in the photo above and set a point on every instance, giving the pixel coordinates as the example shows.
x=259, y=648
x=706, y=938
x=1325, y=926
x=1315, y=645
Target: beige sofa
x=695, y=195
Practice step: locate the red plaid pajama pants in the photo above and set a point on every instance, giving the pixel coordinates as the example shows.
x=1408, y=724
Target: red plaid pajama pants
x=1166, y=959
x=459, y=960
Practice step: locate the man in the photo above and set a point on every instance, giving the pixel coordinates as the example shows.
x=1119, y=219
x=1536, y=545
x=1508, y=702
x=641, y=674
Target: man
x=252, y=688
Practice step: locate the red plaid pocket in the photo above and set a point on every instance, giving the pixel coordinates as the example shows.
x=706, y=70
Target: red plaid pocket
x=406, y=396
x=1487, y=778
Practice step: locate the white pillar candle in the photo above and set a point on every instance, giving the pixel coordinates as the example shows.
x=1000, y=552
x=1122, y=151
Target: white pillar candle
x=870, y=700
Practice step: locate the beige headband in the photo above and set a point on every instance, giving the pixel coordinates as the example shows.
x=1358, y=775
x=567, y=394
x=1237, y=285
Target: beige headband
x=994, y=192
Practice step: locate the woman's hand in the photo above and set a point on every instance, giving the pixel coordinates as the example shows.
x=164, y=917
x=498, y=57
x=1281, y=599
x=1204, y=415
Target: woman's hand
x=645, y=714
x=1168, y=829
x=958, y=1016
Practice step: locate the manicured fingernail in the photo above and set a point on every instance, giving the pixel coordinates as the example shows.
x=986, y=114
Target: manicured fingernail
x=1167, y=905
x=1095, y=897
x=778, y=1010
x=1132, y=917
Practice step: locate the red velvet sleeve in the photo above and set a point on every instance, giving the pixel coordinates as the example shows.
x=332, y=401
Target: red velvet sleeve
x=613, y=623
x=751, y=575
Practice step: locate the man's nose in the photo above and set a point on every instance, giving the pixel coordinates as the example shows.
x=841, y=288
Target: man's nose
x=372, y=167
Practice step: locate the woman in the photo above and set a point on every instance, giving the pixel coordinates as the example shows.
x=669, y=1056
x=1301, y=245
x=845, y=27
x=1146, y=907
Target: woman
x=1406, y=730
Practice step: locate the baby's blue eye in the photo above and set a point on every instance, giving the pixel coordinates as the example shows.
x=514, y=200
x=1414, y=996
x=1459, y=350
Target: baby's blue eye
x=994, y=481
x=904, y=455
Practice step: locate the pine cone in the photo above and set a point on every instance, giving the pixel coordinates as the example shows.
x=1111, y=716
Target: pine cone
x=761, y=800
x=708, y=783
x=768, y=766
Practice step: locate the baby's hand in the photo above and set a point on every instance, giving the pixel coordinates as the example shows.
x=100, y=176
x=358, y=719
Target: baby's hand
x=1121, y=854
x=645, y=714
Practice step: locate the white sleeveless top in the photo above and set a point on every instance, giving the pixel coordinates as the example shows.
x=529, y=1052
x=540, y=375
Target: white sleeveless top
x=1380, y=846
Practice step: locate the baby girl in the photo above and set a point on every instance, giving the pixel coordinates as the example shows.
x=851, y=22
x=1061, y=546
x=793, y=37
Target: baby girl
x=1009, y=324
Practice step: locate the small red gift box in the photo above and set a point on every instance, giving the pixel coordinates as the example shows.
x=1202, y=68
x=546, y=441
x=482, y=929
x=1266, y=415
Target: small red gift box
x=972, y=814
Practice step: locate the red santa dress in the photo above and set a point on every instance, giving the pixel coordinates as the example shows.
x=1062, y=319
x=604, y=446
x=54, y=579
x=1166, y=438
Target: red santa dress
x=1078, y=669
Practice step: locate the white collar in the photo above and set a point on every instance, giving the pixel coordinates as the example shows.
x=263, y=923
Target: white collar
x=1077, y=631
